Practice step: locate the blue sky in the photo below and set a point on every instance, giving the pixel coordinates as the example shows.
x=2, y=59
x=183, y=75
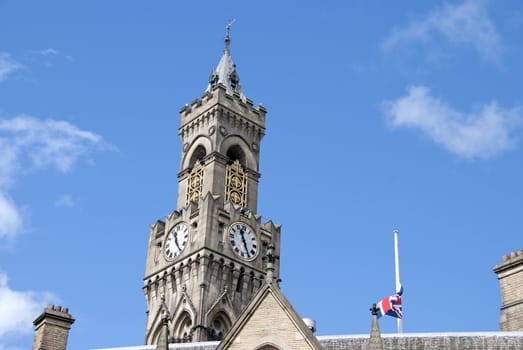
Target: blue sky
x=381, y=116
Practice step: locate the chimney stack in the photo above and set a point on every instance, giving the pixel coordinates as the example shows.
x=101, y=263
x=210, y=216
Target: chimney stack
x=52, y=328
x=510, y=276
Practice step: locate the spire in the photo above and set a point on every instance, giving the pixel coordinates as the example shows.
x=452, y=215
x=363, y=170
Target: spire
x=225, y=73
x=271, y=259
x=375, y=342
x=227, y=39
x=163, y=340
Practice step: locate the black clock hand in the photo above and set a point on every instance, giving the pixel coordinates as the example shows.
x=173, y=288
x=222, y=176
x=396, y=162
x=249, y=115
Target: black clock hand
x=244, y=243
x=176, y=241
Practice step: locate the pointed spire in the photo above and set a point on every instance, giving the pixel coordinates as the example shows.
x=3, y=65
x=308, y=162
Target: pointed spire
x=375, y=341
x=163, y=341
x=227, y=39
x=225, y=73
x=271, y=259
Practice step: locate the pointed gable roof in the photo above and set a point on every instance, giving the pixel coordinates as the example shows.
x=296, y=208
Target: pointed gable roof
x=269, y=320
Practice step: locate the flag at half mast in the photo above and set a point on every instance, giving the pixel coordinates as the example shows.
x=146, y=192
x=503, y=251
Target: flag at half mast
x=391, y=306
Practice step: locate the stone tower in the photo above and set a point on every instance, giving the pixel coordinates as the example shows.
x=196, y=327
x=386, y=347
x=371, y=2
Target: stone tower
x=206, y=260
x=510, y=276
x=52, y=328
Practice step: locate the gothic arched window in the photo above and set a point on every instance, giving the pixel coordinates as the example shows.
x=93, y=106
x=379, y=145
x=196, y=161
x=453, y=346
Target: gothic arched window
x=182, y=332
x=236, y=177
x=194, y=184
x=235, y=152
x=219, y=326
x=236, y=184
x=198, y=155
x=268, y=347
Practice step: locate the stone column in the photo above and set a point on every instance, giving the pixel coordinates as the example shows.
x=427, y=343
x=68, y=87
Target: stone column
x=52, y=328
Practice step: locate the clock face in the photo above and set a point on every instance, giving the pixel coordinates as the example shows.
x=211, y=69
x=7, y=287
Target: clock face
x=243, y=240
x=176, y=240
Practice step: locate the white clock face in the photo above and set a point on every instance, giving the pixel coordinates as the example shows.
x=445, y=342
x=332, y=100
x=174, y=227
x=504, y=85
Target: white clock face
x=176, y=240
x=243, y=240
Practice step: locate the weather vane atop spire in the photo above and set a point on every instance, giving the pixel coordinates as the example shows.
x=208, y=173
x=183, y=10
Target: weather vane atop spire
x=227, y=30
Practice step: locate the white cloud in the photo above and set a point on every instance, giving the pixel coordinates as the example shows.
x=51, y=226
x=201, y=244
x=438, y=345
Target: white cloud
x=8, y=163
x=27, y=143
x=7, y=65
x=10, y=218
x=47, y=52
x=485, y=133
x=466, y=24
x=46, y=142
x=65, y=201
x=50, y=53
x=19, y=308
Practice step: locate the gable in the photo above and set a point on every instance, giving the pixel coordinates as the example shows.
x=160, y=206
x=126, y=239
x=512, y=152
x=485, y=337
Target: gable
x=269, y=322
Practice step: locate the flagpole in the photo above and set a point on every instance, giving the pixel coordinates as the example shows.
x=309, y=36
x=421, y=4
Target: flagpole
x=397, y=270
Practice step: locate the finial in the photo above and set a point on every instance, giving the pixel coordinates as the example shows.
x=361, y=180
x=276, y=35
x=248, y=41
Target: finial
x=374, y=309
x=165, y=309
x=271, y=258
x=227, y=31
x=163, y=340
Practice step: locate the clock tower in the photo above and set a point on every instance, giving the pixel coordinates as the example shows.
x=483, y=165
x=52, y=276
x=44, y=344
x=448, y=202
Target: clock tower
x=207, y=259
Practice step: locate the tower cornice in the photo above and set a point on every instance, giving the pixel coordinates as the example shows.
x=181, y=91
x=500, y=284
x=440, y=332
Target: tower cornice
x=206, y=253
x=218, y=95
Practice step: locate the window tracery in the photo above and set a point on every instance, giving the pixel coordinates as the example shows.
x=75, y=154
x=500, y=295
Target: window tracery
x=194, y=184
x=219, y=327
x=182, y=332
x=236, y=184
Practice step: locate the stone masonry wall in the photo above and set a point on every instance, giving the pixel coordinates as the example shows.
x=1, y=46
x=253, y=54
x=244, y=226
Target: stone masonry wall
x=415, y=341
x=450, y=341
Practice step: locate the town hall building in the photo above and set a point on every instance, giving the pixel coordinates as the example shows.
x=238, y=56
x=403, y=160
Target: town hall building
x=212, y=266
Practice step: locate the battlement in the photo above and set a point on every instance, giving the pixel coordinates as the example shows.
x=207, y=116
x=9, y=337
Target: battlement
x=233, y=102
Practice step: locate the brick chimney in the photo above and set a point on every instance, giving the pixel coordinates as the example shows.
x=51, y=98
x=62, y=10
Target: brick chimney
x=510, y=276
x=52, y=328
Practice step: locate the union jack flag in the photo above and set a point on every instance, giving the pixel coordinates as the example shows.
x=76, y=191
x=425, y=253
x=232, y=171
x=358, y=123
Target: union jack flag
x=391, y=305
